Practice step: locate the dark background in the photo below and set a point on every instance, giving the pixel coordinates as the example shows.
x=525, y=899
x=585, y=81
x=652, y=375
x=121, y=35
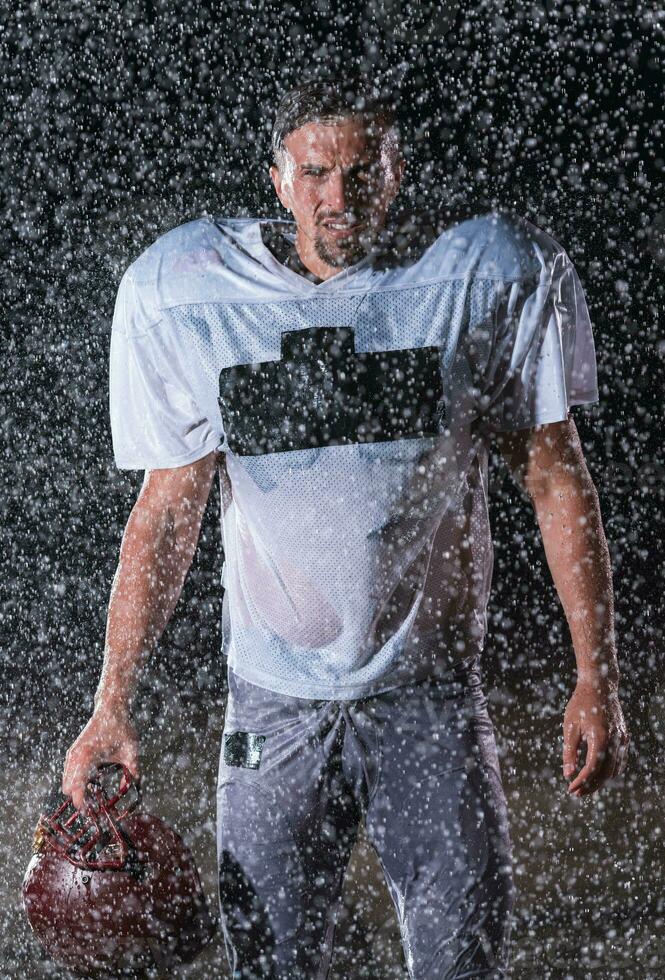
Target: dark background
x=123, y=120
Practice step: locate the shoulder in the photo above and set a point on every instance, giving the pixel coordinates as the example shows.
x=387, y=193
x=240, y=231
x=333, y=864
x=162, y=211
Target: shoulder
x=500, y=245
x=189, y=245
x=178, y=267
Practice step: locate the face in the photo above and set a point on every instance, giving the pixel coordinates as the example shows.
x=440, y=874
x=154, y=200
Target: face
x=337, y=179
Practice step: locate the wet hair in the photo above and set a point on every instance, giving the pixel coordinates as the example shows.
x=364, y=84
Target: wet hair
x=333, y=101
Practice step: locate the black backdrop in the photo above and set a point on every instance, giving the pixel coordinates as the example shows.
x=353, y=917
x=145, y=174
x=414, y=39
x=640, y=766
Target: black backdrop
x=122, y=120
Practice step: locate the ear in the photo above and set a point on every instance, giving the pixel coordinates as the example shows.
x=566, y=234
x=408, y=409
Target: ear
x=281, y=188
x=398, y=173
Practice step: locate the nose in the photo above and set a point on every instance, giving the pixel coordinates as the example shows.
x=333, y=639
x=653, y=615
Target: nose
x=338, y=190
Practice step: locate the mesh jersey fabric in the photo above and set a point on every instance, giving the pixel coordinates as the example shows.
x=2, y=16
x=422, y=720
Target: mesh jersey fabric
x=353, y=419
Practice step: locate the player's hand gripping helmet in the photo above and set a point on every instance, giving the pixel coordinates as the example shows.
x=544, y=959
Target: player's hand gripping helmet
x=113, y=889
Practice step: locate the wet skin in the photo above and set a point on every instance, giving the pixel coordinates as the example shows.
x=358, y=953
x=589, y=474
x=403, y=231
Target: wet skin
x=340, y=170
x=346, y=171
x=343, y=171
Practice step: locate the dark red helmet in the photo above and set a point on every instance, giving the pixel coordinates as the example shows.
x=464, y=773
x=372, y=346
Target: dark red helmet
x=112, y=888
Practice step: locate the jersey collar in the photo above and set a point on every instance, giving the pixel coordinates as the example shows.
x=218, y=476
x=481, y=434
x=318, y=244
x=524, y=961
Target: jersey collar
x=350, y=275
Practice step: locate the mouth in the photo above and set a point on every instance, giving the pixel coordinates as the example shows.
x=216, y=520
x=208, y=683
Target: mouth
x=343, y=229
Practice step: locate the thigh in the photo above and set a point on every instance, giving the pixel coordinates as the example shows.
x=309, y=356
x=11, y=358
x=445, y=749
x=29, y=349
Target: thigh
x=438, y=821
x=286, y=827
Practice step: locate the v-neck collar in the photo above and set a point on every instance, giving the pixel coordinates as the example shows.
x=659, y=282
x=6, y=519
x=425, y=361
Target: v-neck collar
x=302, y=283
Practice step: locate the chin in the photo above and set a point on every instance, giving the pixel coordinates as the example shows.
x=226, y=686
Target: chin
x=338, y=256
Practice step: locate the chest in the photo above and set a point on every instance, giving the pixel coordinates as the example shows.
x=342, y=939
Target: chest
x=373, y=366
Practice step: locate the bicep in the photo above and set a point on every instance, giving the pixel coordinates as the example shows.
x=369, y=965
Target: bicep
x=545, y=456
x=178, y=494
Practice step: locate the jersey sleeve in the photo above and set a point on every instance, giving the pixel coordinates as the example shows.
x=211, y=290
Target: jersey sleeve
x=542, y=358
x=156, y=420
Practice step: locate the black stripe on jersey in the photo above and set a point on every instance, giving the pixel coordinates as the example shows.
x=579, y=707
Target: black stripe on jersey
x=322, y=393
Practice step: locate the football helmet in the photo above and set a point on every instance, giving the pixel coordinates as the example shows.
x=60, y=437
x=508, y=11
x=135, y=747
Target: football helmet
x=111, y=889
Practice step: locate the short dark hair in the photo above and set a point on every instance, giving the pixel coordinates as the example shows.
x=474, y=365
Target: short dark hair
x=329, y=101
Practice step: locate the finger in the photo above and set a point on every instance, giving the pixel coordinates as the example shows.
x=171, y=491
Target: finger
x=617, y=765
x=128, y=756
x=620, y=741
x=571, y=745
x=599, y=774
x=67, y=770
x=622, y=757
x=594, y=759
x=606, y=767
x=71, y=773
x=132, y=760
x=77, y=792
x=616, y=754
x=79, y=770
x=609, y=763
x=625, y=754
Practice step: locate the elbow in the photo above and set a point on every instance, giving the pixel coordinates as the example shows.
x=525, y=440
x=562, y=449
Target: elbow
x=561, y=482
x=569, y=503
x=150, y=530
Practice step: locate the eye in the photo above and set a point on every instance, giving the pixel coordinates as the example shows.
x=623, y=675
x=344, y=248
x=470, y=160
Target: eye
x=312, y=171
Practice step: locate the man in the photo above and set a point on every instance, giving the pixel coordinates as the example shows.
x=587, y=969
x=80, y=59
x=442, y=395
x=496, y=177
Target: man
x=352, y=375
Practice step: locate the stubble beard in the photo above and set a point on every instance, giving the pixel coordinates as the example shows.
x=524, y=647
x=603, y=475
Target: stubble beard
x=339, y=255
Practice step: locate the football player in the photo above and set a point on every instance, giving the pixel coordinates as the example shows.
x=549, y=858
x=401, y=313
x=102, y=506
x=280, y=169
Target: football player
x=344, y=374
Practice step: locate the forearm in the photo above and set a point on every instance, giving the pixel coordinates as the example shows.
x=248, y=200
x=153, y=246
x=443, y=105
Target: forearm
x=155, y=556
x=570, y=521
x=548, y=463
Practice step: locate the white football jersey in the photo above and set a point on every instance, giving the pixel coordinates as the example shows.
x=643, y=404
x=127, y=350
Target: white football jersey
x=353, y=418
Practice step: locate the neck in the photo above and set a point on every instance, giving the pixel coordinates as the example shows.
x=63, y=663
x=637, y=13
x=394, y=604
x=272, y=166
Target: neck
x=312, y=261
